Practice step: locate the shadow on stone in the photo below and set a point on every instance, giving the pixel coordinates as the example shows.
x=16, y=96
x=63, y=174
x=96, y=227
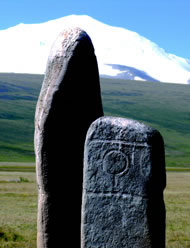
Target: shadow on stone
x=69, y=102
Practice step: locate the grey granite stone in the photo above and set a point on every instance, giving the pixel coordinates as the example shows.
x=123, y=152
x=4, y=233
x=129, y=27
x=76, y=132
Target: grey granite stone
x=69, y=102
x=124, y=179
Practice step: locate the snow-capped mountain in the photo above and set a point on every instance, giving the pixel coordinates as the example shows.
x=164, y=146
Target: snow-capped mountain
x=121, y=53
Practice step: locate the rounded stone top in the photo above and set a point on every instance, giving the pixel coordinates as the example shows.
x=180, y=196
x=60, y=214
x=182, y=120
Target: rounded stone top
x=67, y=38
x=71, y=51
x=116, y=128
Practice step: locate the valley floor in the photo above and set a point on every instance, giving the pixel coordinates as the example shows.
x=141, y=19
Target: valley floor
x=18, y=197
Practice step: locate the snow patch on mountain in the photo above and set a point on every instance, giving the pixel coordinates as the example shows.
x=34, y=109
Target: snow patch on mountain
x=126, y=72
x=121, y=53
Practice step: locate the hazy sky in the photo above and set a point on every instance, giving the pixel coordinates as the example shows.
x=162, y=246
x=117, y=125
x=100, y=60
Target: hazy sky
x=166, y=22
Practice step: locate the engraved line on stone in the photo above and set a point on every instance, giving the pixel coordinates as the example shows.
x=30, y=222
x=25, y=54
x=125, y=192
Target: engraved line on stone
x=118, y=194
x=138, y=144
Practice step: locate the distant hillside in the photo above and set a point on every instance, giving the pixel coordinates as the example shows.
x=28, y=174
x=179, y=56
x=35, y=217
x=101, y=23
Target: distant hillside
x=163, y=106
x=18, y=96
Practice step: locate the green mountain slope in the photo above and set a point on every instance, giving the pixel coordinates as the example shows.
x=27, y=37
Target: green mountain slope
x=18, y=96
x=163, y=106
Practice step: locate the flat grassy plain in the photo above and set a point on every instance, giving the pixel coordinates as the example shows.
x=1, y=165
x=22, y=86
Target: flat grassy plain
x=177, y=201
x=18, y=197
x=18, y=211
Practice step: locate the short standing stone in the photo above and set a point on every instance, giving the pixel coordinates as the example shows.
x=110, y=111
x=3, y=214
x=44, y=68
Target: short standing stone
x=124, y=179
x=69, y=102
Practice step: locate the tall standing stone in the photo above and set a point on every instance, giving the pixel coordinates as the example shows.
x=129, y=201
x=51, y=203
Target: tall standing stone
x=124, y=179
x=69, y=102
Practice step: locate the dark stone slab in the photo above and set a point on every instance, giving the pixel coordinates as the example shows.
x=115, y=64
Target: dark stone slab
x=69, y=102
x=124, y=179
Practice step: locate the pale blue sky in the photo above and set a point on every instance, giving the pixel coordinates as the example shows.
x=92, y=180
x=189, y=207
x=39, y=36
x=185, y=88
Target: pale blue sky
x=166, y=22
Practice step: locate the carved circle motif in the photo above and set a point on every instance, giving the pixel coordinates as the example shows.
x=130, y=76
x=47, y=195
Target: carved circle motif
x=115, y=162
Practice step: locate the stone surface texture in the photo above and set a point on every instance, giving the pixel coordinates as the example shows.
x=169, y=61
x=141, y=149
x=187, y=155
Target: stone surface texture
x=124, y=179
x=69, y=102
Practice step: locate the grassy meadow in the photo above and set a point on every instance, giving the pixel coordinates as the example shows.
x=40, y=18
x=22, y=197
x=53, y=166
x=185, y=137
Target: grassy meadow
x=18, y=197
x=162, y=106
x=177, y=201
